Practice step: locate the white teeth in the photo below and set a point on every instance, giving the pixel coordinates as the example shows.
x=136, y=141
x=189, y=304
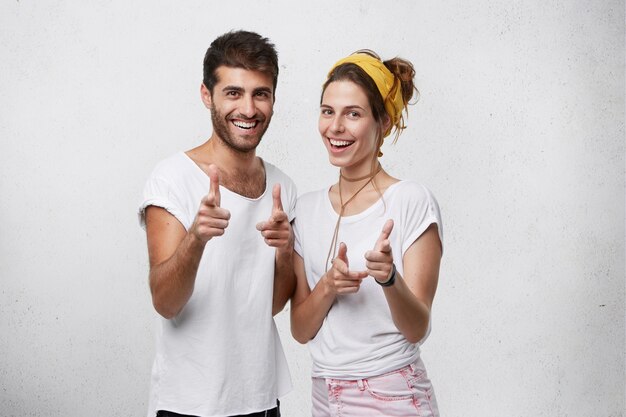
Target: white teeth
x=244, y=125
x=335, y=142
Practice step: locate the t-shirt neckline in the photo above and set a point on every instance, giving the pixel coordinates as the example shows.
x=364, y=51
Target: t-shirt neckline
x=199, y=171
x=358, y=216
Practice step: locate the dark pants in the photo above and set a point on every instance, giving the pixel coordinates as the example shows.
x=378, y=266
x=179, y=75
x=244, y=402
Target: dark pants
x=274, y=412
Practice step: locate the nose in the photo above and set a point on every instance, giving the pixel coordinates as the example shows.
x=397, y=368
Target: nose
x=337, y=124
x=248, y=107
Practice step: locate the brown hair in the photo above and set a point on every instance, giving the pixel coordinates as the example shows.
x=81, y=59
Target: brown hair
x=240, y=49
x=403, y=73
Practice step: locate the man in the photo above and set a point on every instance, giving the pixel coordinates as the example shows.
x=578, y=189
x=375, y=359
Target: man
x=220, y=245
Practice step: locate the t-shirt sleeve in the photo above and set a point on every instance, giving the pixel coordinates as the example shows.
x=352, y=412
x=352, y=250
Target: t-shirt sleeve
x=288, y=190
x=160, y=193
x=297, y=244
x=420, y=211
x=292, y=199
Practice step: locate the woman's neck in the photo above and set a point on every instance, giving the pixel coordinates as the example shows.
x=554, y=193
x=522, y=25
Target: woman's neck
x=354, y=179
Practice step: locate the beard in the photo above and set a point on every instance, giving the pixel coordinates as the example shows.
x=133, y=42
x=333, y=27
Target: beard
x=222, y=127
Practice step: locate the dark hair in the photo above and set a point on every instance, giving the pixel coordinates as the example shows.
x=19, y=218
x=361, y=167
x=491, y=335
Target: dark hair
x=240, y=49
x=403, y=72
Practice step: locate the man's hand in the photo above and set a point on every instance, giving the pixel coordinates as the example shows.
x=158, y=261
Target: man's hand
x=211, y=219
x=277, y=230
x=379, y=261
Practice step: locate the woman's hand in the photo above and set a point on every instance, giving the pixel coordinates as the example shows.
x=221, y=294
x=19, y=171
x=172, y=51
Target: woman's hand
x=339, y=279
x=379, y=261
x=309, y=308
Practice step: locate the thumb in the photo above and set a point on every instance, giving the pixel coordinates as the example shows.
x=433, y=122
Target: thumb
x=214, y=191
x=278, y=204
x=384, y=235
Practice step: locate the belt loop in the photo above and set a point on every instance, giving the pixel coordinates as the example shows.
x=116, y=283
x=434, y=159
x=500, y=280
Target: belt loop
x=360, y=383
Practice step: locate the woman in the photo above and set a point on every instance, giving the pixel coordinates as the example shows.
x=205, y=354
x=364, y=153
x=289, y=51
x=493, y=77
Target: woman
x=367, y=254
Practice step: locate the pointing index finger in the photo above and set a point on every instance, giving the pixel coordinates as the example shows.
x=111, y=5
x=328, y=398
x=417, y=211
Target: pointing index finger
x=278, y=204
x=214, y=190
x=343, y=253
x=384, y=235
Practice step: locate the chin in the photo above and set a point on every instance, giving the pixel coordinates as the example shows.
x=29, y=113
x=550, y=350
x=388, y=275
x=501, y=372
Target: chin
x=336, y=162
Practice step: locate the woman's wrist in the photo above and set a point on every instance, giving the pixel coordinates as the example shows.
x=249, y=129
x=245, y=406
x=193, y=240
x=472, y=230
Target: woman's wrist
x=327, y=288
x=390, y=279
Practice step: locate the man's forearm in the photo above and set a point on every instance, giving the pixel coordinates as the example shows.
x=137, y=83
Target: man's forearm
x=284, y=279
x=172, y=281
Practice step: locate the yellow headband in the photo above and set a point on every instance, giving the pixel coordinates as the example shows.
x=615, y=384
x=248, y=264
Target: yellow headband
x=384, y=80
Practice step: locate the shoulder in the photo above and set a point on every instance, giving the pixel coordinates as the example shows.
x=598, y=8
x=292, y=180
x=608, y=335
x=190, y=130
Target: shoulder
x=275, y=175
x=412, y=191
x=311, y=202
x=166, y=187
x=312, y=196
x=414, y=202
x=171, y=168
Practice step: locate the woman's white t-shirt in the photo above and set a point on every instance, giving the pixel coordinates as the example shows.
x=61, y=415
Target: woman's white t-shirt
x=358, y=338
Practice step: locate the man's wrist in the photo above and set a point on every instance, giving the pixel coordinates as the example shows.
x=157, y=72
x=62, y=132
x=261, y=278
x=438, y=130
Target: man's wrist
x=285, y=253
x=287, y=250
x=195, y=240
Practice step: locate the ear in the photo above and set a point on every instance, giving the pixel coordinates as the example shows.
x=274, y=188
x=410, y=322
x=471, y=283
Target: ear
x=386, y=122
x=205, y=95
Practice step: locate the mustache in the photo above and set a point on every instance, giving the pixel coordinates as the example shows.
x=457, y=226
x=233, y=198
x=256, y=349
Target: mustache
x=257, y=117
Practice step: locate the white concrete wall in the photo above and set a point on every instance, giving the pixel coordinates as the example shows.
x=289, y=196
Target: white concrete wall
x=519, y=132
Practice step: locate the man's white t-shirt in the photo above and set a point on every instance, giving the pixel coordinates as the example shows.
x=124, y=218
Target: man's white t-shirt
x=221, y=355
x=358, y=338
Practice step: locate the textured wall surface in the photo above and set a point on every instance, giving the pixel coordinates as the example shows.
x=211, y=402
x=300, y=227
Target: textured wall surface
x=519, y=132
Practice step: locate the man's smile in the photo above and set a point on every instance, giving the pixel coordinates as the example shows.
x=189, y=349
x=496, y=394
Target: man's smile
x=245, y=125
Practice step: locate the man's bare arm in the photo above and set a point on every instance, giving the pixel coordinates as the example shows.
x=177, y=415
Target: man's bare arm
x=175, y=253
x=278, y=233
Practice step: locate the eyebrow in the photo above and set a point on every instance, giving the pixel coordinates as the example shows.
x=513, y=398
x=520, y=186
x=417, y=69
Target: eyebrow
x=233, y=88
x=354, y=106
x=262, y=90
x=242, y=90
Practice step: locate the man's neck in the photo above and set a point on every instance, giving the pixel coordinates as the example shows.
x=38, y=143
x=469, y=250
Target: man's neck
x=240, y=172
x=230, y=159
